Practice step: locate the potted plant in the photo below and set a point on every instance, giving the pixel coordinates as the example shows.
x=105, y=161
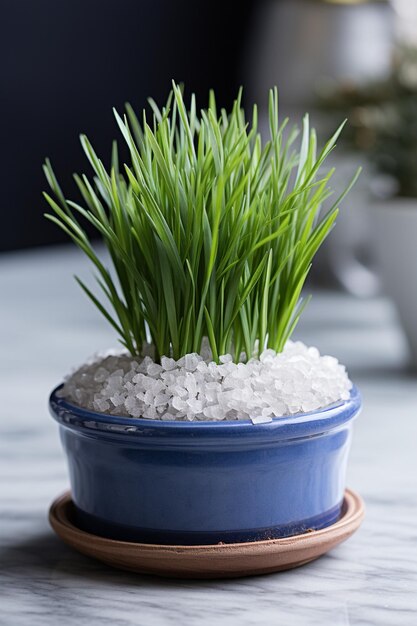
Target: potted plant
x=394, y=156
x=384, y=126
x=210, y=425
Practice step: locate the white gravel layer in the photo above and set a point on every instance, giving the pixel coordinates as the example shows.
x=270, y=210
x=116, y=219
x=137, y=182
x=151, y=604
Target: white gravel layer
x=297, y=380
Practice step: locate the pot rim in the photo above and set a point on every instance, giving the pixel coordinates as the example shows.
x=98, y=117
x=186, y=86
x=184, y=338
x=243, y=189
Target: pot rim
x=296, y=426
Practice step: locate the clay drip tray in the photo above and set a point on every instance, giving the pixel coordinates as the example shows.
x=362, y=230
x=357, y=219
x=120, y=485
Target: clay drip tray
x=208, y=561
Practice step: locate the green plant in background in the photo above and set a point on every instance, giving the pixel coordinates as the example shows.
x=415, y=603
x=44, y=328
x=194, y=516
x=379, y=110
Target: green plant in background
x=210, y=231
x=383, y=120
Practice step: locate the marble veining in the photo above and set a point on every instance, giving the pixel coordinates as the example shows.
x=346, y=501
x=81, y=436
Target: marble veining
x=47, y=326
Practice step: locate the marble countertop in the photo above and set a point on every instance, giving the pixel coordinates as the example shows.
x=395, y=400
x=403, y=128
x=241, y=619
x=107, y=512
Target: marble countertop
x=47, y=327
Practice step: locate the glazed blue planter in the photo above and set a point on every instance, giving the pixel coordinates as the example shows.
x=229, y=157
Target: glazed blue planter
x=195, y=483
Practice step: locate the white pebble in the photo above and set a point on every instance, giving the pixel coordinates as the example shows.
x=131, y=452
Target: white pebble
x=167, y=363
x=154, y=369
x=261, y=419
x=297, y=380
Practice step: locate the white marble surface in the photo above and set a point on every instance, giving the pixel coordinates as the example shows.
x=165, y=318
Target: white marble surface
x=47, y=326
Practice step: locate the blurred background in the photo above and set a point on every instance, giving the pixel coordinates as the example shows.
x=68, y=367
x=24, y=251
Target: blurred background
x=65, y=64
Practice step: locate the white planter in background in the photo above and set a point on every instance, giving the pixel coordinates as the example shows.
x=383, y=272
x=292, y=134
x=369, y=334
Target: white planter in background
x=300, y=45
x=395, y=228
x=295, y=44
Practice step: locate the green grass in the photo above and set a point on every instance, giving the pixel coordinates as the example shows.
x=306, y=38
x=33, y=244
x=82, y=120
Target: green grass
x=211, y=232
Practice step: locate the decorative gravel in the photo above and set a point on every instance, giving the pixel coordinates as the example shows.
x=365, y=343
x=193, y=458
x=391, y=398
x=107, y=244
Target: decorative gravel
x=297, y=380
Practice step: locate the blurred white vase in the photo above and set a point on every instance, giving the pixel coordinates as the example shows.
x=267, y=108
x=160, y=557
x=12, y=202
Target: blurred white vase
x=395, y=240
x=347, y=252
x=297, y=43
x=300, y=45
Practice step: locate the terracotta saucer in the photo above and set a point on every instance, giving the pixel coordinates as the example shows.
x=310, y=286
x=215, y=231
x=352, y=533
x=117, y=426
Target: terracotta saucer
x=209, y=561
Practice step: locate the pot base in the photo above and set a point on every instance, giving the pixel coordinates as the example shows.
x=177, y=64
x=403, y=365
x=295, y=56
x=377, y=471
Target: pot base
x=99, y=527
x=208, y=561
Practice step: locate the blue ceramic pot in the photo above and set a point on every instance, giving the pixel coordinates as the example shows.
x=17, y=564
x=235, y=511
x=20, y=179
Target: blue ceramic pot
x=203, y=482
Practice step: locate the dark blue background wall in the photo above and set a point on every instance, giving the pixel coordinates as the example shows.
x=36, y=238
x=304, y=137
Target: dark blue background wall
x=65, y=63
